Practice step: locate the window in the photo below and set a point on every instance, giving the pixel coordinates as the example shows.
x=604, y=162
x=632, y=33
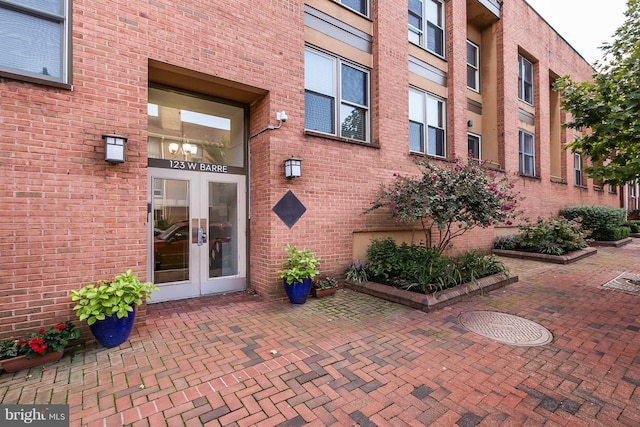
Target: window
x=577, y=169
x=473, y=71
x=433, y=10
x=359, y=6
x=336, y=91
x=426, y=124
x=473, y=145
x=525, y=80
x=526, y=153
x=35, y=38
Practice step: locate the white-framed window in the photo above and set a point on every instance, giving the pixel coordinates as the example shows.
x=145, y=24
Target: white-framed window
x=525, y=80
x=360, y=6
x=473, y=66
x=474, y=145
x=336, y=91
x=526, y=152
x=429, y=14
x=427, y=124
x=35, y=40
x=577, y=169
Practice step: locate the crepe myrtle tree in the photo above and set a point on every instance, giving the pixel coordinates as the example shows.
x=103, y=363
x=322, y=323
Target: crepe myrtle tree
x=454, y=198
x=608, y=108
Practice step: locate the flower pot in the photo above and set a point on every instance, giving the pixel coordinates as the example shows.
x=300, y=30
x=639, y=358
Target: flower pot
x=297, y=291
x=319, y=293
x=19, y=363
x=112, y=331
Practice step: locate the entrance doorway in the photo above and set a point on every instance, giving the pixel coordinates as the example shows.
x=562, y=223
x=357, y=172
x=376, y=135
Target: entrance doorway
x=198, y=232
x=197, y=195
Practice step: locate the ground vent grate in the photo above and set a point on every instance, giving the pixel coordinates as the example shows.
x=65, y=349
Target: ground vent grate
x=625, y=282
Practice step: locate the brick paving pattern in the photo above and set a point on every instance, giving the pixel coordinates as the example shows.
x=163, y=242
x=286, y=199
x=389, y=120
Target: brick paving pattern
x=353, y=359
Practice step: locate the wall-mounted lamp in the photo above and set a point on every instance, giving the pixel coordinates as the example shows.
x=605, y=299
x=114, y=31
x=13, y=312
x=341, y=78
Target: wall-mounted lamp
x=114, y=148
x=293, y=168
x=469, y=123
x=187, y=148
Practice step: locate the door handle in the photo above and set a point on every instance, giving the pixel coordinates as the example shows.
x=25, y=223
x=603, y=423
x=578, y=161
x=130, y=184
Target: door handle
x=201, y=236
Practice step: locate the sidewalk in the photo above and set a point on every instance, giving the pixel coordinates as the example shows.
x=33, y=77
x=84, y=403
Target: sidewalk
x=352, y=359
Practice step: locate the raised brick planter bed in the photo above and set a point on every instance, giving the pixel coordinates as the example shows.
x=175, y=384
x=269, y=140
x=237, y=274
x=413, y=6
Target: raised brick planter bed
x=614, y=243
x=556, y=259
x=434, y=301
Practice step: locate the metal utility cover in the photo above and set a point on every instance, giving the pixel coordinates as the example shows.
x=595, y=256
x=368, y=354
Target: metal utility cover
x=505, y=328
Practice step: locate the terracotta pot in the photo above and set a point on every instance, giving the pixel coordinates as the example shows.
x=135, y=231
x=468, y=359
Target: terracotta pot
x=19, y=363
x=319, y=293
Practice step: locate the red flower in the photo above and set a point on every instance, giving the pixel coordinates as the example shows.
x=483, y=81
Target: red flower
x=59, y=327
x=37, y=345
x=41, y=331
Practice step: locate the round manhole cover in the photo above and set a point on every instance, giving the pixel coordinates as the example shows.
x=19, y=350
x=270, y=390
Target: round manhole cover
x=505, y=328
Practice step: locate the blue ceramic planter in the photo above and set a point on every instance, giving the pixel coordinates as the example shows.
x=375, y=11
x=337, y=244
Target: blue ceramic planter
x=112, y=331
x=298, y=292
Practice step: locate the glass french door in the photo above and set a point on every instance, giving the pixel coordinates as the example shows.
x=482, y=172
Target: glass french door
x=197, y=243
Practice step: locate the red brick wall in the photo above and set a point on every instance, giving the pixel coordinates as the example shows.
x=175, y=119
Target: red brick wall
x=69, y=218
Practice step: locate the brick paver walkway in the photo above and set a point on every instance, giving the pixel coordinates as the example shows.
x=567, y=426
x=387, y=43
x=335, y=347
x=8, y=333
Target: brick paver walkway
x=352, y=359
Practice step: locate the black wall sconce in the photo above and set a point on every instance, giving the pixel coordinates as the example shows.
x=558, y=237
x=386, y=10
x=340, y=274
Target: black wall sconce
x=293, y=168
x=114, y=148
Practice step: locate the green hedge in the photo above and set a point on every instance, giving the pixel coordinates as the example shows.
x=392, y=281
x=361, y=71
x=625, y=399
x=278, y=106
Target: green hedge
x=615, y=233
x=599, y=220
x=633, y=225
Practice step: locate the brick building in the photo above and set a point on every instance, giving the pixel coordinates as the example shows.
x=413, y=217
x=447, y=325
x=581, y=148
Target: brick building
x=201, y=204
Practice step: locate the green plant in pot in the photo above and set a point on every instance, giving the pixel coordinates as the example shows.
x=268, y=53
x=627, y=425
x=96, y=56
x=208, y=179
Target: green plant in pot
x=300, y=267
x=109, y=307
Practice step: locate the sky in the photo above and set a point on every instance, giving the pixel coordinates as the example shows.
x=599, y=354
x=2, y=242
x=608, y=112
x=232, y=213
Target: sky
x=584, y=24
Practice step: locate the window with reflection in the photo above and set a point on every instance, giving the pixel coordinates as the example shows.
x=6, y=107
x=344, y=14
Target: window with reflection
x=190, y=128
x=336, y=97
x=35, y=39
x=427, y=123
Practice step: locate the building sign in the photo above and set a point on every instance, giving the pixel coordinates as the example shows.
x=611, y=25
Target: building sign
x=184, y=165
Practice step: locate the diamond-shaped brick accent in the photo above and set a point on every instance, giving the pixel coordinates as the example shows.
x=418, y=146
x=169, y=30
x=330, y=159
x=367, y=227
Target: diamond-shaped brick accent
x=289, y=209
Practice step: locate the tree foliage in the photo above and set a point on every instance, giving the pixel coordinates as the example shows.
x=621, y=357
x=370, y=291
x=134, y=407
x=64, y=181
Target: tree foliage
x=610, y=106
x=454, y=198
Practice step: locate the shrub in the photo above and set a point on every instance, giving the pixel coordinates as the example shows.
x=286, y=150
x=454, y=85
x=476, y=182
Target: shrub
x=634, y=226
x=453, y=198
x=508, y=243
x=382, y=258
x=596, y=219
x=554, y=236
x=357, y=272
x=615, y=233
x=421, y=269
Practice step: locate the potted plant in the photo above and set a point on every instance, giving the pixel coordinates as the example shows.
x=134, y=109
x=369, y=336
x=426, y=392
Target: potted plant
x=323, y=287
x=300, y=269
x=43, y=346
x=109, y=307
